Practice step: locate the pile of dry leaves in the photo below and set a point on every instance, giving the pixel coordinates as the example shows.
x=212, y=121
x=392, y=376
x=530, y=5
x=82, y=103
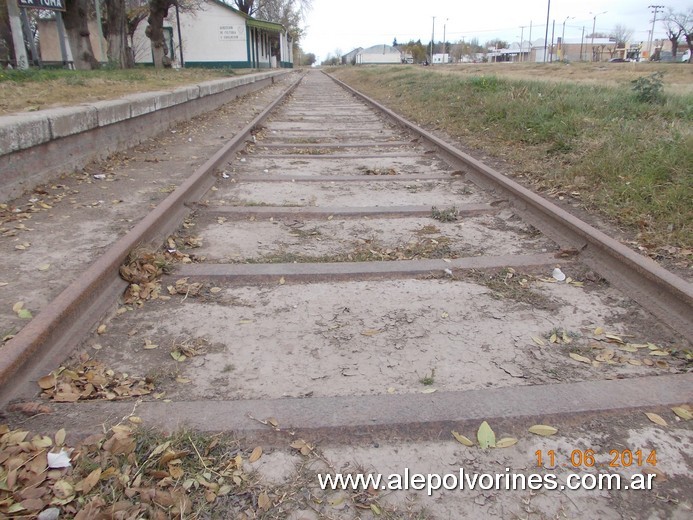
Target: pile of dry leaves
x=91, y=380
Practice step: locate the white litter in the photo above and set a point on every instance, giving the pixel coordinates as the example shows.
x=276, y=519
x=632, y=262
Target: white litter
x=225, y=175
x=52, y=513
x=266, y=171
x=100, y=176
x=448, y=272
x=243, y=159
x=59, y=460
x=558, y=274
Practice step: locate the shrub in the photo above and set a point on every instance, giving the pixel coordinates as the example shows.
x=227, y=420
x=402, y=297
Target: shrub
x=649, y=89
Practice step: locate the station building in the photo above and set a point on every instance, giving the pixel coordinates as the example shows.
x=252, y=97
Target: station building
x=217, y=35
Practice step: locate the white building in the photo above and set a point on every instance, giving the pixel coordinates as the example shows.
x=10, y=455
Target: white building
x=378, y=54
x=217, y=35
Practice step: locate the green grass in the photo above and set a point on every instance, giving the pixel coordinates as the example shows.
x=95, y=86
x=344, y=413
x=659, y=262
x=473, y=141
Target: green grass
x=627, y=159
x=72, y=77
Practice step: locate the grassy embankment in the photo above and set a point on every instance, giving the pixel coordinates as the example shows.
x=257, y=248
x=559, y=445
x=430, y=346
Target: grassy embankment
x=631, y=161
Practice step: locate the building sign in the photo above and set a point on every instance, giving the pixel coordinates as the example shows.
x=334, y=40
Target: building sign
x=55, y=5
x=231, y=32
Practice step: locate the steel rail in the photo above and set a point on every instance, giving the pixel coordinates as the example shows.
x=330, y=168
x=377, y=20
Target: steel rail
x=48, y=337
x=667, y=296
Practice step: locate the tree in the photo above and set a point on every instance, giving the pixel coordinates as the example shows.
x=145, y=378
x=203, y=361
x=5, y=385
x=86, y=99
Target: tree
x=416, y=49
x=245, y=6
x=496, y=44
x=621, y=34
x=158, y=10
x=76, y=20
x=114, y=26
x=683, y=22
x=289, y=13
x=6, y=47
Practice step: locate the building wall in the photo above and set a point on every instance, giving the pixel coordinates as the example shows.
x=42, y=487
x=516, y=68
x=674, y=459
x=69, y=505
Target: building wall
x=210, y=34
x=378, y=58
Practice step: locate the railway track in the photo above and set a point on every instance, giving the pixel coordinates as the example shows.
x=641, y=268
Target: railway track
x=352, y=277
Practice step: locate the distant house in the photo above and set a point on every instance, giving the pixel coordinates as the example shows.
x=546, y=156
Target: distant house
x=350, y=57
x=217, y=35
x=378, y=54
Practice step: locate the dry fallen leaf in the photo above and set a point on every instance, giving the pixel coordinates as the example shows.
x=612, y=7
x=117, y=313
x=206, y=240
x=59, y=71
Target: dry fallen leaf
x=543, y=430
x=263, y=501
x=581, y=359
x=256, y=454
x=538, y=341
x=657, y=419
x=462, y=439
x=506, y=442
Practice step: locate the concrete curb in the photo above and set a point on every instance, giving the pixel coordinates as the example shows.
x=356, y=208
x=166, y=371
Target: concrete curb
x=52, y=133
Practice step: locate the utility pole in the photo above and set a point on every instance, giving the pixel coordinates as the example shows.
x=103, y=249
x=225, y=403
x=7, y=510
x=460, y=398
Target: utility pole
x=654, y=19
x=433, y=36
x=546, y=35
x=582, y=41
x=553, y=30
x=563, y=37
x=444, y=44
x=17, y=35
x=180, y=38
x=594, y=25
x=529, y=54
x=522, y=32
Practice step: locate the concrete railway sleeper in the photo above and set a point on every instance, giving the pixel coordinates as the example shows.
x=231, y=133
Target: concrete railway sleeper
x=351, y=276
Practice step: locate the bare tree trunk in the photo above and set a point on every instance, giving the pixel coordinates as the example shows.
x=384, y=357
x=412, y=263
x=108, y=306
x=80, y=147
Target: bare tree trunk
x=6, y=47
x=115, y=27
x=158, y=10
x=77, y=28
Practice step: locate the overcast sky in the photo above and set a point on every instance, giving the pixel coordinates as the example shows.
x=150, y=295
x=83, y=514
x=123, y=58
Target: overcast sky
x=340, y=25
